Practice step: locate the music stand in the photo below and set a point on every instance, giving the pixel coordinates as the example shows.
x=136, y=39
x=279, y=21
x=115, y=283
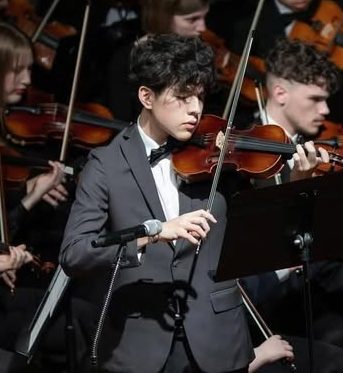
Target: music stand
x=28, y=340
x=283, y=226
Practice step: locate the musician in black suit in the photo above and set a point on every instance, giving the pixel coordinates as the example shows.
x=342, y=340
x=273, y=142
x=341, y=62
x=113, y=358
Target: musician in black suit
x=119, y=189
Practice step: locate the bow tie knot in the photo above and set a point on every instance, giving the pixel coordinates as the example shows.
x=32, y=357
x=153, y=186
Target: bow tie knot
x=158, y=154
x=162, y=152
x=286, y=19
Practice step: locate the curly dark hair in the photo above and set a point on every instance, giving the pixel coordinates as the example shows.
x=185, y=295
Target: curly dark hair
x=170, y=60
x=302, y=63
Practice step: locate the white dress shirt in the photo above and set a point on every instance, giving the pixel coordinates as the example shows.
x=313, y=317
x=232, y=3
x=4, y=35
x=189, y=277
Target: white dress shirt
x=166, y=180
x=283, y=9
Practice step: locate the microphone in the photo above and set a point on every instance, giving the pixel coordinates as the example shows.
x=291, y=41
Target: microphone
x=148, y=228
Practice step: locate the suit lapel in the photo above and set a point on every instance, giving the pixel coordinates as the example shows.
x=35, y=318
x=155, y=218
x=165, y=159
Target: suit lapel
x=134, y=152
x=184, y=200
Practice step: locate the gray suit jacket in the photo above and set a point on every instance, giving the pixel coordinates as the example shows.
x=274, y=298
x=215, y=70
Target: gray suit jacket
x=116, y=191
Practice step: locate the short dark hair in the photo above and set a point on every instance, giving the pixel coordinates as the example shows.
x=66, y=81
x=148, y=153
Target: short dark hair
x=303, y=63
x=170, y=60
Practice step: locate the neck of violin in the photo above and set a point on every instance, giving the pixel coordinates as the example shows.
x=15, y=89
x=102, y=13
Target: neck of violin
x=265, y=146
x=285, y=149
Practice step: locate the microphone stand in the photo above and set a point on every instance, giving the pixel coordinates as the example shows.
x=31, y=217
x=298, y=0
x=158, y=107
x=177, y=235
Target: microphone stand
x=107, y=299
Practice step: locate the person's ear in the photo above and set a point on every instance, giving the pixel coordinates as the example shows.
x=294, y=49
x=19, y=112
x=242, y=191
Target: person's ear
x=280, y=94
x=146, y=96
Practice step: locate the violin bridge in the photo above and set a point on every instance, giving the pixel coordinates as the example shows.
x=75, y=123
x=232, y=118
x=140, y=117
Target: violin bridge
x=328, y=30
x=220, y=140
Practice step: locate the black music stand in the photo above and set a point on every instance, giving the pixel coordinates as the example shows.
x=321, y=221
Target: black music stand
x=284, y=226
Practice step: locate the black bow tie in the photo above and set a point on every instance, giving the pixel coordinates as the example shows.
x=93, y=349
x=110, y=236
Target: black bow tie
x=286, y=18
x=162, y=152
x=157, y=154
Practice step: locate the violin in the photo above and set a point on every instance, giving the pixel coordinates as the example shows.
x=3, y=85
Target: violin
x=330, y=138
x=92, y=124
x=323, y=30
x=259, y=152
x=17, y=168
x=330, y=130
x=227, y=63
x=36, y=264
x=25, y=18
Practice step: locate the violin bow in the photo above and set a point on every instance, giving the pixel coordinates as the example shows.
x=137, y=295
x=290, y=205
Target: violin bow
x=75, y=83
x=44, y=21
x=259, y=321
x=231, y=103
x=261, y=102
x=235, y=90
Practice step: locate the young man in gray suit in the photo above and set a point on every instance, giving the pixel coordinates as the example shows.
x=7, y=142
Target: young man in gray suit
x=158, y=321
x=119, y=188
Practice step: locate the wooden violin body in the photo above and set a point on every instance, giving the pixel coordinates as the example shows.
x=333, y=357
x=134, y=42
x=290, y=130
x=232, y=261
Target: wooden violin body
x=17, y=168
x=249, y=151
x=12, y=175
x=259, y=152
x=91, y=126
x=227, y=65
x=47, y=42
x=324, y=31
x=331, y=139
x=36, y=265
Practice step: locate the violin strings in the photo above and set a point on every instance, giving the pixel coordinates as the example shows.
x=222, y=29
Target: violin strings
x=85, y=116
x=250, y=143
x=246, y=142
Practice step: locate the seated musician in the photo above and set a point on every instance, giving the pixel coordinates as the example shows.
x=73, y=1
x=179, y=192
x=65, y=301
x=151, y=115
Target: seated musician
x=15, y=76
x=299, y=81
x=281, y=18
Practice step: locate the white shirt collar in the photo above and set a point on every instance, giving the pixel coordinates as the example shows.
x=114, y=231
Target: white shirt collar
x=149, y=143
x=283, y=9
